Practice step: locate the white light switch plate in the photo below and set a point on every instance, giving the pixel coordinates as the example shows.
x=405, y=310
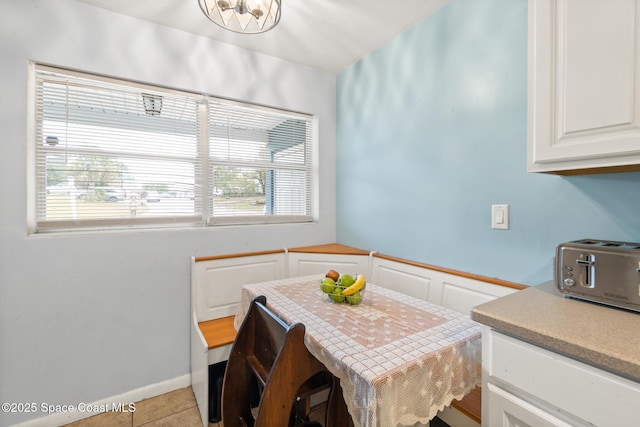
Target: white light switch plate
x=500, y=217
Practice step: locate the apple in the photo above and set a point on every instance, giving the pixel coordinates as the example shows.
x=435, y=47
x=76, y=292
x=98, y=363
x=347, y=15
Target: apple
x=327, y=285
x=333, y=275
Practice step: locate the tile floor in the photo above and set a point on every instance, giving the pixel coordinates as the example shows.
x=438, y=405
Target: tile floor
x=177, y=408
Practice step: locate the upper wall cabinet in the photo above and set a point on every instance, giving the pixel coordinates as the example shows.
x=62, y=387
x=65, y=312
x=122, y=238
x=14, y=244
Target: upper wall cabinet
x=584, y=86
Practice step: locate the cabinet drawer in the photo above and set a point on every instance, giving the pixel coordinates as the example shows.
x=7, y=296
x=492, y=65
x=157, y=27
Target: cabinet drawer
x=587, y=393
x=508, y=410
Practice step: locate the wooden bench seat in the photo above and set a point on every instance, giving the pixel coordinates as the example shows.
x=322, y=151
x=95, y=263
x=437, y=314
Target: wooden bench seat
x=218, y=332
x=471, y=405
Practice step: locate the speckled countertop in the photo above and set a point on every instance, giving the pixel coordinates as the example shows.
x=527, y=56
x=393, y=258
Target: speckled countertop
x=608, y=338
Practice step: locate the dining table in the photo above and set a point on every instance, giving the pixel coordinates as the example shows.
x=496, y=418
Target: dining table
x=399, y=359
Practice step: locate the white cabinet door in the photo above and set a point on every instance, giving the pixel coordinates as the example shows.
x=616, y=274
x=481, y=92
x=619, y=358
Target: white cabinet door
x=508, y=410
x=404, y=278
x=521, y=382
x=448, y=290
x=584, y=85
x=303, y=264
x=217, y=284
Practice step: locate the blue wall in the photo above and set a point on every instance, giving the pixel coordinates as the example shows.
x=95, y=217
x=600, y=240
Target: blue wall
x=432, y=131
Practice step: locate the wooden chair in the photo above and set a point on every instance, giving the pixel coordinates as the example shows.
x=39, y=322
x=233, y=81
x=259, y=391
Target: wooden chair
x=269, y=351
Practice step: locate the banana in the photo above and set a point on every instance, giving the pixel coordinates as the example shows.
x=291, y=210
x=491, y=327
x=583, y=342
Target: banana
x=357, y=285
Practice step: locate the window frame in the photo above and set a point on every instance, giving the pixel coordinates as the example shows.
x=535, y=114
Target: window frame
x=203, y=174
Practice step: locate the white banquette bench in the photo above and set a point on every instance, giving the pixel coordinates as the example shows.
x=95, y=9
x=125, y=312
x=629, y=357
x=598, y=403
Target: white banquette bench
x=216, y=284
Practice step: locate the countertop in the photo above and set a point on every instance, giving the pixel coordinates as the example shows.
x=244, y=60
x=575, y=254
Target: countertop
x=605, y=337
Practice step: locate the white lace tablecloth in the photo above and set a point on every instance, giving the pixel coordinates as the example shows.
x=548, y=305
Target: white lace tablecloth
x=399, y=359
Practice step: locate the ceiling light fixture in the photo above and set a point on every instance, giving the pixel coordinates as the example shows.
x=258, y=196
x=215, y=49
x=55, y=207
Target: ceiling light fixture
x=243, y=16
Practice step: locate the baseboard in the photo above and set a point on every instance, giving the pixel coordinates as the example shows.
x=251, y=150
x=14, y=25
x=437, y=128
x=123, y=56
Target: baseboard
x=131, y=396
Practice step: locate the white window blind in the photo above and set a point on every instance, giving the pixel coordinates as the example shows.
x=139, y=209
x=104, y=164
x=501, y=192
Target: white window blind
x=260, y=164
x=110, y=153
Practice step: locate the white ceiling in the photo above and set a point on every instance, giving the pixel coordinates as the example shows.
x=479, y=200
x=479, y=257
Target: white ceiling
x=326, y=34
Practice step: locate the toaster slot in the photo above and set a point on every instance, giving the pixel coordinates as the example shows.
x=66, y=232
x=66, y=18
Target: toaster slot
x=588, y=242
x=587, y=272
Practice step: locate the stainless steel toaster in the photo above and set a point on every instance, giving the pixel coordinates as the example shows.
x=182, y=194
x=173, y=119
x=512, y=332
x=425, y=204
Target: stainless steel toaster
x=601, y=271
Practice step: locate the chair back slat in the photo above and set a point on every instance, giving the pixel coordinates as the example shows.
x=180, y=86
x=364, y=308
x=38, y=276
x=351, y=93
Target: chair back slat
x=268, y=337
x=260, y=372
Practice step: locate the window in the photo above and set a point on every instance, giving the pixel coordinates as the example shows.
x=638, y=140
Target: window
x=110, y=153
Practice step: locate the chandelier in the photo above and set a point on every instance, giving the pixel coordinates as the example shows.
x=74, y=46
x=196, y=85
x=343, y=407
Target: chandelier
x=243, y=16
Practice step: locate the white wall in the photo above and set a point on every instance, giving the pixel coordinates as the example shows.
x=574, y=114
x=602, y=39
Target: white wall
x=88, y=316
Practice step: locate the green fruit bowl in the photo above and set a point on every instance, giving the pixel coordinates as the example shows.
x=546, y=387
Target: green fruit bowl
x=354, y=299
